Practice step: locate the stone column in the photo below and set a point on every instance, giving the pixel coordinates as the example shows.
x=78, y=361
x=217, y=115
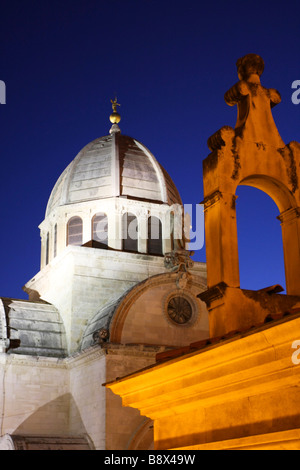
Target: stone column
x=221, y=240
x=115, y=225
x=142, y=230
x=290, y=224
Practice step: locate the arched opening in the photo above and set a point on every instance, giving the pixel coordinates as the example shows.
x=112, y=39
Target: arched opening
x=130, y=232
x=100, y=228
x=154, y=236
x=277, y=191
x=55, y=241
x=260, y=247
x=47, y=249
x=74, y=231
x=172, y=228
x=143, y=438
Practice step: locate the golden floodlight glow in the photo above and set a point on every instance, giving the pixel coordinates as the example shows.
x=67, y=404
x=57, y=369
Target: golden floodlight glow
x=240, y=389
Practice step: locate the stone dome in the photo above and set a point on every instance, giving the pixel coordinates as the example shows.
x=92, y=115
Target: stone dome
x=33, y=328
x=114, y=165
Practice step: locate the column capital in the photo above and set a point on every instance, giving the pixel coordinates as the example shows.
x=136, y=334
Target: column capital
x=212, y=199
x=289, y=215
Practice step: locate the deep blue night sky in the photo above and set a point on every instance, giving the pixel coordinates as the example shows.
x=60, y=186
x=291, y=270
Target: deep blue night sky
x=170, y=63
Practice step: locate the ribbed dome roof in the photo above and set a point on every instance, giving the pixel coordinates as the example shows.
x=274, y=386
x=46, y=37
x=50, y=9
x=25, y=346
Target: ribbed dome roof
x=114, y=165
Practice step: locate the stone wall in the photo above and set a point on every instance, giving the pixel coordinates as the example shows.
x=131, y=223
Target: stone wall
x=34, y=395
x=53, y=397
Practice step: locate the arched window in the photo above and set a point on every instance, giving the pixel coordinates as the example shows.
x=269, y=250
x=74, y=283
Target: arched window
x=100, y=228
x=47, y=248
x=172, y=230
x=130, y=232
x=154, y=236
x=74, y=231
x=55, y=241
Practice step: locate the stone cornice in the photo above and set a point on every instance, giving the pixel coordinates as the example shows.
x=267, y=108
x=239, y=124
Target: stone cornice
x=85, y=357
x=255, y=364
x=33, y=361
x=284, y=440
x=76, y=360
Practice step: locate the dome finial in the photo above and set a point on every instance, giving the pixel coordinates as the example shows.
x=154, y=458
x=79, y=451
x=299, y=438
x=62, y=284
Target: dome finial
x=115, y=117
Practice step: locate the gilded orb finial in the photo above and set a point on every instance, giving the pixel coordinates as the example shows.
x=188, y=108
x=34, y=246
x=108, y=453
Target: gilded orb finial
x=115, y=117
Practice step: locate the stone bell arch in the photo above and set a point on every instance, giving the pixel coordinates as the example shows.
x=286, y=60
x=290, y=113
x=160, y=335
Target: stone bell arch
x=251, y=154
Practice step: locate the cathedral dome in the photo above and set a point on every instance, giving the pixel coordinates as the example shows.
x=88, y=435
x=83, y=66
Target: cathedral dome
x=114, y=195
x=114, y=165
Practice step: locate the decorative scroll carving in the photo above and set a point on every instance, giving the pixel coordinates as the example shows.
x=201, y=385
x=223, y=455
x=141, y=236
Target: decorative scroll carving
x=178, y=261
x=236, y=93
x=100, y=336
x=221, y=138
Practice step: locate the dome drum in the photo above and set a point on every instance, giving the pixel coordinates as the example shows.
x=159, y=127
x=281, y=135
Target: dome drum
x=150, y=227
